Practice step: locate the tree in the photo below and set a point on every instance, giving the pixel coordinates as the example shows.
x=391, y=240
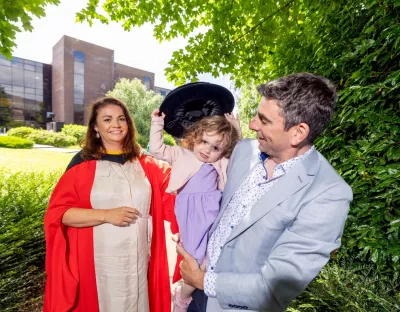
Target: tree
x=224, y=36
x=15, y=13
x=140, y=101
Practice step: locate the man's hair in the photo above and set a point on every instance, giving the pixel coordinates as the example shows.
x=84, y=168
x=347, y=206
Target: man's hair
x=215, y=125
x=303, y=98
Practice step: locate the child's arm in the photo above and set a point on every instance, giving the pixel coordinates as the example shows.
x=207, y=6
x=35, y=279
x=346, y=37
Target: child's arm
x=233, y=118
x=157, y=147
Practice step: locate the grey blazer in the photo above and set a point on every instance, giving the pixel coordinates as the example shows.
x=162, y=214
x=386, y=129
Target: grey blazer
x=286, y=238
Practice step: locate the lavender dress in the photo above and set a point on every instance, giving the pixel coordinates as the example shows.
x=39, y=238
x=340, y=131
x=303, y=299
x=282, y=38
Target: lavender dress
x=196, y=208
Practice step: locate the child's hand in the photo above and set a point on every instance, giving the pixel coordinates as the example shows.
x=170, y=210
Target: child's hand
x=156, y=113
x=233, y=118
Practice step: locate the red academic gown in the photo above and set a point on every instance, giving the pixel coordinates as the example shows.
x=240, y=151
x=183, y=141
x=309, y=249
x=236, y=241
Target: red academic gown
x=71, y=282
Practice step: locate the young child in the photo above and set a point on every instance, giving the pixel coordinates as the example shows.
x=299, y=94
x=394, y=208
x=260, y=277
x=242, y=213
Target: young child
x=198, y=177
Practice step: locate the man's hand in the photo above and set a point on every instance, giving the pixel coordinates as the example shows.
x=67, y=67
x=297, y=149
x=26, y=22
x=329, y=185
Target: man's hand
x=190, y=269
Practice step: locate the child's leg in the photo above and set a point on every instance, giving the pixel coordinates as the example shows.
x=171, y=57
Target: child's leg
x=187, y=291
x=182, y=298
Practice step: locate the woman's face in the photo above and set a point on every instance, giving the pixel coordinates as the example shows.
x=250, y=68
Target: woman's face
x=112, y=126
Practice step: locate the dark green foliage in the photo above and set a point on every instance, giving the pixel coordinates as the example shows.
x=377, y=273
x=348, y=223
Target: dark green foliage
x=349, y=287
x=24, y=198
x=15, y=142
x=16, y=16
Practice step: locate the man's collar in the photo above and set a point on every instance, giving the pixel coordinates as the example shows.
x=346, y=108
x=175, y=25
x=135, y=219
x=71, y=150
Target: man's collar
x=263, y=156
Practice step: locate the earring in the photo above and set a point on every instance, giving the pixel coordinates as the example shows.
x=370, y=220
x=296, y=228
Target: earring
x=98, y=135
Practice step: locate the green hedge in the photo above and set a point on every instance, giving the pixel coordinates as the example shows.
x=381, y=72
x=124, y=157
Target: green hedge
x=76, y=131
x=15, y=142
x=349, y=287
x=50, y=138
x=40, y=136
x=21, y=132
x=24, y=198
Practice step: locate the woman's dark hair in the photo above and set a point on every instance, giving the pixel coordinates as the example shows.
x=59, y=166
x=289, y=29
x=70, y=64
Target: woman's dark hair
x=93, y=146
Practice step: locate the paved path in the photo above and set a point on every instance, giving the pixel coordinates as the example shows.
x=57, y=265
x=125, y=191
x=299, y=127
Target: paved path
x=55, y=149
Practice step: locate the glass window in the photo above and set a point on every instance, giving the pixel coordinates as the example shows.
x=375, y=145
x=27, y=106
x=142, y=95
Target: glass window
x=17, y=77
x=18, y=89
x=79, y=57
x=29, y=67
x=78, y=92
x=29, y=96
x=29, y=106
x=17, y=102
x=39, y=91
x=4, y=61
x=39, y=65
x=39, y=98
x=18, y=113
x=147, y=82
x=7, y=88
x=78, y=101
x=5, y=75
x=30, y=79
x=29, y=62
x=30, y=90
x=78, y=80
x=18, y=94
x=79, y=68
x=39, y=80
x=16, y=63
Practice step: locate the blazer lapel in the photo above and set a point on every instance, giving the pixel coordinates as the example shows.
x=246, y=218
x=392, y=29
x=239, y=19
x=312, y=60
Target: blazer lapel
x=292, y=182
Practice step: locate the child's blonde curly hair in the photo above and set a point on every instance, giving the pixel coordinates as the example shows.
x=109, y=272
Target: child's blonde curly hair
x=215, y=125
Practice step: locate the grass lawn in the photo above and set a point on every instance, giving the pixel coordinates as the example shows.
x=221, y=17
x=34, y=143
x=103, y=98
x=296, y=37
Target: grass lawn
x=33, y=159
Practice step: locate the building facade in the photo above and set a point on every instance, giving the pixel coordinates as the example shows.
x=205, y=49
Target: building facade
x=36, y=93
x=25, y=92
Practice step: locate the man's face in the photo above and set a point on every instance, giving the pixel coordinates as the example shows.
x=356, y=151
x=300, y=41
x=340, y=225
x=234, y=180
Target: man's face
x=274, y=140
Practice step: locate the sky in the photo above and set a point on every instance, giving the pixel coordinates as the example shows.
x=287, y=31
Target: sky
x=136, y=48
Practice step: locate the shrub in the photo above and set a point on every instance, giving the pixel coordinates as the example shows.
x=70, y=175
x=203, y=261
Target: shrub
x=76, y=131
x=23, y=199
x=21, y=132
x=50, y=138
x=42, y=137
x=61, y=140
x=349, y=287
x=15, y=142
x=169, y=139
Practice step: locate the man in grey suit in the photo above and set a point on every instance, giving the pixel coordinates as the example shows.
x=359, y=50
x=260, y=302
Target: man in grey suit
x=283, y=209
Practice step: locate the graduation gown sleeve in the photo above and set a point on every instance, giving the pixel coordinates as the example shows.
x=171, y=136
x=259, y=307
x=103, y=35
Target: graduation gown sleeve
x=64, y=269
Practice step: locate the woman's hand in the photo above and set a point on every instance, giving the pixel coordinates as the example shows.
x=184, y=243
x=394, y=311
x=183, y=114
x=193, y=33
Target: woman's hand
x=121, y=216
x=156, y=113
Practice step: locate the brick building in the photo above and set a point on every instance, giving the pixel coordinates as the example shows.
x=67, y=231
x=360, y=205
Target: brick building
x=80, y=72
